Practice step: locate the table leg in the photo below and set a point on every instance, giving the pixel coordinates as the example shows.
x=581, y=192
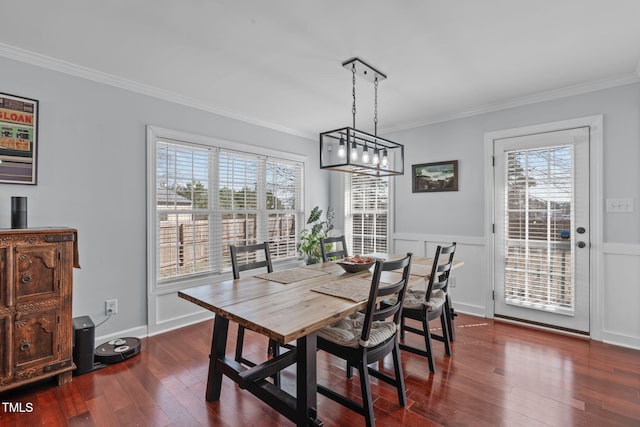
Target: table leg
x=306, y=382
x=218, y=350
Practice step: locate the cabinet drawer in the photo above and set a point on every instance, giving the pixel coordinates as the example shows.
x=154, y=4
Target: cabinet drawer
x=36, y=337
x=36, y=271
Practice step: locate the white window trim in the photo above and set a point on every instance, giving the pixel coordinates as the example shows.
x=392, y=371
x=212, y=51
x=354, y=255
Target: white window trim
x=348, y=223
x=154, y=134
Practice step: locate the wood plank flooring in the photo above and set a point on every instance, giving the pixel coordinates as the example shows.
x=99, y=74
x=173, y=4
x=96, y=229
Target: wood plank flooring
x=498, y=375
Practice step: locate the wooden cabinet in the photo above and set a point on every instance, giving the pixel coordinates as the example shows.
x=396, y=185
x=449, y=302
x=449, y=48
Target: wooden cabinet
x=36, y=280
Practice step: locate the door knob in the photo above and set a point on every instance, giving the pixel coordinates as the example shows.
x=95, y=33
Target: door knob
x=581, y=244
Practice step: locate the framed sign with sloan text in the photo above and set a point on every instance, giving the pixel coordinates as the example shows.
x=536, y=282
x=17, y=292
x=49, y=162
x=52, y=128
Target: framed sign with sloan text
x=18, y=139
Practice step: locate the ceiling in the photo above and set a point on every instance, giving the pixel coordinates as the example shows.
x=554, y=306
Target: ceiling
x=277, y=63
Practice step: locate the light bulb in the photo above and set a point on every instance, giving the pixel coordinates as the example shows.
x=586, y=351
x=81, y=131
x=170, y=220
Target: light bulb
x=385, y=159
x=341, y=150
x=365, y=154
x=376, y=156
x=354, y=151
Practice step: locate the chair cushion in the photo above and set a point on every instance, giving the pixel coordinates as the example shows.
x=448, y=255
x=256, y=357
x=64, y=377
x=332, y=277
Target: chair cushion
x=347, y=331
x=414, y=299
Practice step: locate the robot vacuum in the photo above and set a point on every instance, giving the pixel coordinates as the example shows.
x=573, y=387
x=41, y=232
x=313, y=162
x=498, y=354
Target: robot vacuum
x=117, y=350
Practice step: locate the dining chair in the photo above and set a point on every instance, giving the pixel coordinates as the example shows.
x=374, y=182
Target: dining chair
x=449, y=312
x=368, y=337
x=250, y=254
x=427, y=305
x=338, y=253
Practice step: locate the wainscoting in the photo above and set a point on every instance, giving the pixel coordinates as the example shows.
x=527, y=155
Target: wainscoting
x=615, y=317
x=620, y=295
x=467, y=287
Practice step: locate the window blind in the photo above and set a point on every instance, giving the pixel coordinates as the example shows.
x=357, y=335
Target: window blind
x=539, y=205
x=367, y=214
x=209, y=198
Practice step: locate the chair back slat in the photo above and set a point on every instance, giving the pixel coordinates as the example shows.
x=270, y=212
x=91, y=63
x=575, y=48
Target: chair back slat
x=374, y=311
x=338, y=253
x=439, y=278
x=237, y=250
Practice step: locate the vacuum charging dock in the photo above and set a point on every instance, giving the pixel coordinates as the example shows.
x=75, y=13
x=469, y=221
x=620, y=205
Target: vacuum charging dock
x=87, y=359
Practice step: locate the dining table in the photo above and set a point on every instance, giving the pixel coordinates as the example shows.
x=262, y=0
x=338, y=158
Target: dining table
x=287, y=306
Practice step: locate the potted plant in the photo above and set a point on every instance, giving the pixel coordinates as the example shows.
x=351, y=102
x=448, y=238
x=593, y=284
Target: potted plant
x=309, y=241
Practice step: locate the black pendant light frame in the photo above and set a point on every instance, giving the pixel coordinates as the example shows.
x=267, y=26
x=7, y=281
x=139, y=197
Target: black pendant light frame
x=336, y=145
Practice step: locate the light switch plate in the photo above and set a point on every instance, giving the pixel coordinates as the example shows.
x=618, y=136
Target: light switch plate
x=619, y=205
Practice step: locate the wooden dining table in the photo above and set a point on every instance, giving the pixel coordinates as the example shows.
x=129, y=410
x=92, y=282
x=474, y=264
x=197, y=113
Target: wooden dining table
x=285, y=312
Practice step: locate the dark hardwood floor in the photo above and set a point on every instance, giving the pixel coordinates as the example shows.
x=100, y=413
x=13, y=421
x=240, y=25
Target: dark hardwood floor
x=498, y=375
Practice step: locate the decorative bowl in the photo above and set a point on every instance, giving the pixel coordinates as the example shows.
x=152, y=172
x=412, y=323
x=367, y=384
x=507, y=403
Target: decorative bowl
x=356, y=264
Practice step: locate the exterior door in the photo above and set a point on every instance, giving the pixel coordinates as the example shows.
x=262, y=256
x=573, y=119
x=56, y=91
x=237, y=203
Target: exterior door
x=542, y=229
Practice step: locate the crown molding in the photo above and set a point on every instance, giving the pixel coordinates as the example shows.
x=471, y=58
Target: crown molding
x=76, y=70
x=550, y=95
x=65, y=67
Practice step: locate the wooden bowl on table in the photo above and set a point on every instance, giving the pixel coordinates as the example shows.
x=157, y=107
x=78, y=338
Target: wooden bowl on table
x=356, y=263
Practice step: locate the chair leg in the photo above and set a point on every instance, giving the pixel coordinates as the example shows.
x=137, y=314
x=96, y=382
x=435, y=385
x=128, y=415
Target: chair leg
x=239, y=344
x=365, y=388
x=402, y=394
x=402, y=323
x=427, y=344
x=445, y=333
x=349, y=370
x=450, y=315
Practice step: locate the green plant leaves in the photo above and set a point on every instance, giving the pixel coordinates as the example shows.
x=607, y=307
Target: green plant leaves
x=309, y=240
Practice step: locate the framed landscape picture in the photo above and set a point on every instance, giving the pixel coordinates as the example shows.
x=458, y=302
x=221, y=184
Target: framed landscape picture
x=439, y=176
x=18, y=139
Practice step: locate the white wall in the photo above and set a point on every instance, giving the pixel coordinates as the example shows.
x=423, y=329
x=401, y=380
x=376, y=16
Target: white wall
x=423, y=219
x=92, y=176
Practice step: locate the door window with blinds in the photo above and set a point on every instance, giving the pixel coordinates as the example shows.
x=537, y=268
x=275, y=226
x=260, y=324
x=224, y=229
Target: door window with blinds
x=367, y=214
x=208, y=198
x=538, y=251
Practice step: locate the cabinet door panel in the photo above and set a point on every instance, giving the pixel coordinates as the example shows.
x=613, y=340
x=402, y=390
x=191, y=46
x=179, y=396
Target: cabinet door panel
x=3, y=278
x=35, y=271
x=36, y=338
x=5, y=368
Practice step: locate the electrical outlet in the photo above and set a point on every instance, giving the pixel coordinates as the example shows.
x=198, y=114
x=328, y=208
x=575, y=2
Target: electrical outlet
x=110, y=306
x=452, y=282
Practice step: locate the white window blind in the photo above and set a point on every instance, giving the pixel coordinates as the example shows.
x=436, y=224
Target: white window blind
x=539, y=257
x=209, y=198
x=283, y=196
x=182, y=210
x=367, y=219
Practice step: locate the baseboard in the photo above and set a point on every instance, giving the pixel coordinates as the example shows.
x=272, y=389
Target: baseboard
x=473, y=310
x=179, y=322
x=137, y=332
x=621, y=340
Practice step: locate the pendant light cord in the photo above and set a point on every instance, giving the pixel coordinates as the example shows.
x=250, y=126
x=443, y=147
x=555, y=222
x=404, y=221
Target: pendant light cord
x=353, y=109
x=375, y=107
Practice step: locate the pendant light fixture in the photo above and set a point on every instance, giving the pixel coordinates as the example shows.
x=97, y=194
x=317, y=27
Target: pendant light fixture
x=351, y=150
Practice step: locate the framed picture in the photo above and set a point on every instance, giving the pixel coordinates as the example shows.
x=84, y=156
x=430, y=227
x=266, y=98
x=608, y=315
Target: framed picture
x=439, y=176
x=18, y=139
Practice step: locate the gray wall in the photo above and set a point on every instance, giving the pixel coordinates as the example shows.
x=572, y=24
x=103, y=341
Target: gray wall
x=92, y=176
x=422, y=220
x=463, y=140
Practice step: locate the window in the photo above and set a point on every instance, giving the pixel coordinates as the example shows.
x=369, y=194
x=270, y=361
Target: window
x=367, y=214
x=208, y=197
